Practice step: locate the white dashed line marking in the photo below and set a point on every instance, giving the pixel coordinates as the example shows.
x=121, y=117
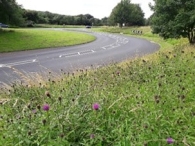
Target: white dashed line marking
x=77, y=53
x=119, y=41
x=18, y=63
x=152, y=42
x=68, y=55
x=2, y=65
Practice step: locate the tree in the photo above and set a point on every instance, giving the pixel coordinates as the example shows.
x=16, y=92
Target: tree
x=127, y=13
x=11, y=12
x=121, y=13
x=137, y=15
x=174, y=19
x=42, y=18
x=104, y=21
x=148, y=21
x=88, y=16
x=30, y=15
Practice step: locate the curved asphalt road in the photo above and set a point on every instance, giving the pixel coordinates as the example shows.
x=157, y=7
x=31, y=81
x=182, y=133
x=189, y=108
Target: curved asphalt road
x=106, y=49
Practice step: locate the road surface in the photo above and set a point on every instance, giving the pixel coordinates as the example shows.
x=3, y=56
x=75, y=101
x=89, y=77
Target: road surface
x=107, y=48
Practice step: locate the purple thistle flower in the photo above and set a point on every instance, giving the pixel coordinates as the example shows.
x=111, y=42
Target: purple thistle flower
x=34, y=111
x=170, y=140
x=45, y=107
x=92, y=136
x=96, y=106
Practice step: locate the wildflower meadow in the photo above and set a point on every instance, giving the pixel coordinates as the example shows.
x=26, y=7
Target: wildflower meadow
x=143, y=102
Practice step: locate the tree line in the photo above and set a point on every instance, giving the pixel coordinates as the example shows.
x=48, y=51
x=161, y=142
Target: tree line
x=14, y=14
x=171, y=18
x=39, y=17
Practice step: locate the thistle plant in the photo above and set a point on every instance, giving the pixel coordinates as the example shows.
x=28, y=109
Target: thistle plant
x=148, y=102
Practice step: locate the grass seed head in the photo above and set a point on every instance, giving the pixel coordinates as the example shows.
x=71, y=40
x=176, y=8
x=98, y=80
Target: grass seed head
x=44, y=122
x=47, y=94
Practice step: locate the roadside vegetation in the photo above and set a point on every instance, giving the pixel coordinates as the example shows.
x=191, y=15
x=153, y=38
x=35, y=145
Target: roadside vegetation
x=178, y=22
x=58, y=26
x=27, y=39
x=146, y=34
x=146, y=101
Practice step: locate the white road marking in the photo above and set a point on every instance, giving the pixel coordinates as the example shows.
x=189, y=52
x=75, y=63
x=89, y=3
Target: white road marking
x=116, y=45
x=119, y=41
x=77, y=53
x=1, y=65
x=18, y=63
x=86, y=52
x=152, y=42
x=69, y=55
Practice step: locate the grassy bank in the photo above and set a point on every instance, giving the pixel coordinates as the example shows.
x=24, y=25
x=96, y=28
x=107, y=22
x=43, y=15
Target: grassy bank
x=146, y=33
x=144, y=102
x=148, y=101
x=27, y=39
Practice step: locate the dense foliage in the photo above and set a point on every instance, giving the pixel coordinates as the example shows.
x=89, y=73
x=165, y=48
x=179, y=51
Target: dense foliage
x=10, y=12
x=39, y=17
x=127, y=13
x=124, y=13
x=174, y=19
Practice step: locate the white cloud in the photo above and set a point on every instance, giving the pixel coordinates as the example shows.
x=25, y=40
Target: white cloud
x=97, y=8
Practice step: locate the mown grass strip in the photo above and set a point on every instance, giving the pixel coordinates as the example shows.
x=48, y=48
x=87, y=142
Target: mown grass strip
x=27, y=39
x=58, y=26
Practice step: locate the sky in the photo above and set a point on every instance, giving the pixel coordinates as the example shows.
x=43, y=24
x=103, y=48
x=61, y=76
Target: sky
x=97, y=8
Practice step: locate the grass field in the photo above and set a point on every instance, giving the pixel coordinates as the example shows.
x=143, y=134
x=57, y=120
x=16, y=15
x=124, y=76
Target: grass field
x=148, y=101
x=61, y=26
x=27, y=39
x=58, y=26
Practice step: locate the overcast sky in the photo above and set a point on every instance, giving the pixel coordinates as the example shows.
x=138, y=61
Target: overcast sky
x=97, y=8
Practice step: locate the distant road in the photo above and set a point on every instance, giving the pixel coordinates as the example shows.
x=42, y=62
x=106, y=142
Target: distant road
x=105, y=49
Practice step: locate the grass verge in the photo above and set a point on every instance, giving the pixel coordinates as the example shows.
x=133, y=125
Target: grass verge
x=147, y=101
x=147, y=34
x=58, y=26
x=27, y=39
x=144, y=102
